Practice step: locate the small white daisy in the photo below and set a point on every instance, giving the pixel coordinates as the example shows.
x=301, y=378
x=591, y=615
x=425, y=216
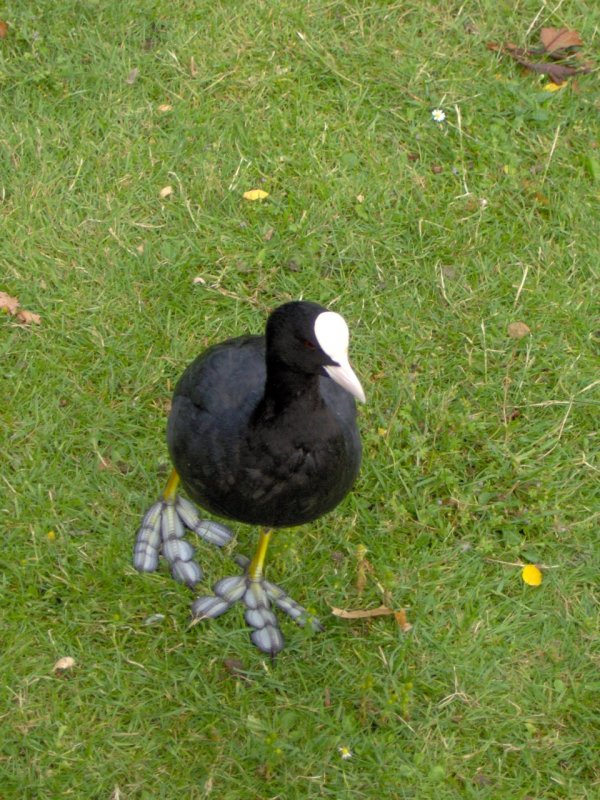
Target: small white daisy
x=345, y=753
x=438, y=115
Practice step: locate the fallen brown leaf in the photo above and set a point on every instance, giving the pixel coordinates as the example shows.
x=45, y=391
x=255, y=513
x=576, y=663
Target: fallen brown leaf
x=368, y=613
x=166, y=191
x=479, y=779
x=3, y=29
x=28, y=317
x=165, y=107
x=361, y=579
x=402, y=621
x=269, y=234
x=64, y=664
x=133, y=76
x=235, y=667
x=363, y=568
x=556, y=40
x=8, y=303
x=106, y=463
x=517, y=330
x=556, y=43
x=558, y=73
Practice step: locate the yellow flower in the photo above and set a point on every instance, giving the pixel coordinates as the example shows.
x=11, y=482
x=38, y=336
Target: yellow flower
x=531, y=575
x=554, y=87
x=255, y=194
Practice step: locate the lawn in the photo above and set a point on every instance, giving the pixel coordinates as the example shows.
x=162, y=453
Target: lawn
x=129, y=133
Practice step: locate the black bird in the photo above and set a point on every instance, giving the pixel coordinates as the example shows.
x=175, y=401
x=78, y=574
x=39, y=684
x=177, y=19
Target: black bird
x=262, y=430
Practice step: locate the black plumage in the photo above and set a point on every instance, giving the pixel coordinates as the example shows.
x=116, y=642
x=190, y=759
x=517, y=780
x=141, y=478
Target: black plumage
x=258, y=433
x=262, y=430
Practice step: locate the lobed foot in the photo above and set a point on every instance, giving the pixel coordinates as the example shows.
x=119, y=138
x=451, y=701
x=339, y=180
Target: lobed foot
x=256, y=594
x=162, y=531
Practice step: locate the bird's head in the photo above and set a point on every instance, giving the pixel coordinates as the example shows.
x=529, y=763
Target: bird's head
x=308, y=338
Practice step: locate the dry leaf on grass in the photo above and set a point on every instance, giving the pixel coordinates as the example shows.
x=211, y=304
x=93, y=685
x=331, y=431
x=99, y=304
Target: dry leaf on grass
x=3, y=29
x=236, y=668
x=402, y=621
x=164, y=107
x=367, y=613
x=517, y=330
x=255, y=194
x=133, y=76
x=556, y=72
x=370, y=613
x=166, y=191
x=363, y=568
x=28, y=317
x=557, y=40
x=64, y=664
x=8, y=303
x=557, y=44
x=106, y=464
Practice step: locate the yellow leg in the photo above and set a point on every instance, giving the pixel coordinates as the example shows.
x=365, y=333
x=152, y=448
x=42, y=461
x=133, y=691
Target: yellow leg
x=171, y=487
x=255, y=570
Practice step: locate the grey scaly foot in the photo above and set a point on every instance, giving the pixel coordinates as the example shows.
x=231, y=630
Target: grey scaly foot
x=162, y=531
x=257, y=595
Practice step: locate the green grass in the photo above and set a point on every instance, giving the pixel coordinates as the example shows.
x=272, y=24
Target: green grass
x=479, y=449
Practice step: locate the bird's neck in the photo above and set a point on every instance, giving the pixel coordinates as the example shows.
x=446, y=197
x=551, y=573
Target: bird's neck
x=285, y=387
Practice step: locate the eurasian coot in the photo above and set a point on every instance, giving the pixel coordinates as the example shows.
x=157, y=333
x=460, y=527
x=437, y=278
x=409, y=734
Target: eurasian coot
x=262, y=430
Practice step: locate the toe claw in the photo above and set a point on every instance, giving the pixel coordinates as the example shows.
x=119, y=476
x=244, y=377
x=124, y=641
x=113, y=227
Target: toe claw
x=258, y=618
x=268, y=640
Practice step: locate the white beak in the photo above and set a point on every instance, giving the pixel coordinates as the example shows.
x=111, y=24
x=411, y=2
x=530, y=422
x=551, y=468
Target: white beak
x=344, y=375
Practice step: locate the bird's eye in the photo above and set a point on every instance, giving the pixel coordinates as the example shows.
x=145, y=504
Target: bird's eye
x=309, y=345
